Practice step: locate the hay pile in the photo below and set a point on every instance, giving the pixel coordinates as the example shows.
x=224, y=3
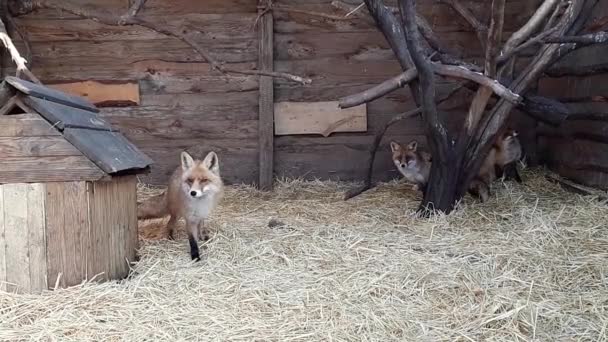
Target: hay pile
x=532, y=264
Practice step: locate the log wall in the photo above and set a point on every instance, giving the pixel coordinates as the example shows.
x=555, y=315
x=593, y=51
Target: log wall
x=579, y=148
x=183, y=106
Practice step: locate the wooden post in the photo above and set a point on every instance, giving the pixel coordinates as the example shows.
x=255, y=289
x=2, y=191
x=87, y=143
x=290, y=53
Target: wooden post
x=266, y=101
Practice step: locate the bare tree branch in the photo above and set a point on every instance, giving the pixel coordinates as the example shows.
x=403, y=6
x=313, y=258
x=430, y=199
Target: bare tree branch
x=463, y=73
x=545, y=10
x=582, y=40
x=379, y=90
x=484, y=93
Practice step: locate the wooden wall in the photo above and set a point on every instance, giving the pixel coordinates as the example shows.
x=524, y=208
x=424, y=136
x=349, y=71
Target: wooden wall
x=184, y=106
x=579, y=148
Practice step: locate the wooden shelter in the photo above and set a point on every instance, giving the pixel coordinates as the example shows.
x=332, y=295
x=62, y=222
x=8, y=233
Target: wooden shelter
x=68, y=192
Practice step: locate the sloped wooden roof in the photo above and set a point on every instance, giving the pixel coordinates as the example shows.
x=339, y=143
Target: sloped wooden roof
x=78, y=121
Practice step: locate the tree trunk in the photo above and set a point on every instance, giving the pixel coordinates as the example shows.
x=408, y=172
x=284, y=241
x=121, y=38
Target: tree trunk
x=441, y=192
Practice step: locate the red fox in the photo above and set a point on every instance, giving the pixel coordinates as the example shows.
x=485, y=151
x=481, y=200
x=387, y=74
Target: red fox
x=194, y=191
x=415, y=165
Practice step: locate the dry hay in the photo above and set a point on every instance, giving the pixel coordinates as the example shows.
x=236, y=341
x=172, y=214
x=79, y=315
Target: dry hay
x=531, y=264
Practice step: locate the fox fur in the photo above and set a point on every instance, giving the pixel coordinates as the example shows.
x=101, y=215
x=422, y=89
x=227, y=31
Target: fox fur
x=415, y=165
x=194, y=191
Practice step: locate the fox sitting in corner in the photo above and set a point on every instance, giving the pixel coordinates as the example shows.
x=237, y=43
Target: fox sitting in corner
x=194, y=191
x=415, y=165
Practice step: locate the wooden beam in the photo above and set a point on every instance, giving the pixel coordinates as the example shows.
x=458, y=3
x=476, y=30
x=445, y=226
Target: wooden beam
x=266, y=101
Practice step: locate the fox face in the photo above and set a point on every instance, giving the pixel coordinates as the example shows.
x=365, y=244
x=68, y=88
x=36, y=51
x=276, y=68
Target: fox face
x=413, y=165
x=200, y=178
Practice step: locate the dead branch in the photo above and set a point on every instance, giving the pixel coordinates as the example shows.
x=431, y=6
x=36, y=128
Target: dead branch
x=15, y=56
x=484, y=93
x=108, y=19
x=582, y=40
x=379, y=90
x=533, y=41
x=463, y=73
x=577, y=70
x=521, y=35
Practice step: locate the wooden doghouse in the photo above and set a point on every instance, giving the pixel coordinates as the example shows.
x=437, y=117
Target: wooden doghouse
x=68, y=192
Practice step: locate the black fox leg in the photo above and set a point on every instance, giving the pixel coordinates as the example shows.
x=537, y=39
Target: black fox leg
x=192, y=239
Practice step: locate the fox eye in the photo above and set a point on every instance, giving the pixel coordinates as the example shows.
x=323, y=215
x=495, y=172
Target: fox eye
x=190, y=181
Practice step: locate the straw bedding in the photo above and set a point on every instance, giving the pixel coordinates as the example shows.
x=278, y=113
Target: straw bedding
x=532, y=264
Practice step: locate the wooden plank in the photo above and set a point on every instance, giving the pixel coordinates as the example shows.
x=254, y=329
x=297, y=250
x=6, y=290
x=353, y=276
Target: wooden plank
x=48, y=169
x=220, y=26
x=103, y=94
x=110, y=151
x=42, y=92
x=179, y=7
x=230, y=49
x=114, y=240
x=49, y=146
x=266, y=102
x=16, y=235
x=318, y=118
x=26, y=125
x=67, y=232
x=8, y=106
x=55, y=234
x=3, y=286
x=62, y=116
x=36, y=227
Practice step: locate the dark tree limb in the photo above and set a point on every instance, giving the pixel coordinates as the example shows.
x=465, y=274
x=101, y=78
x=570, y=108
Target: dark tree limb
x=582, y=40
x=379, y=90
x=542, y=13
x=577, y=70
x=481, y=98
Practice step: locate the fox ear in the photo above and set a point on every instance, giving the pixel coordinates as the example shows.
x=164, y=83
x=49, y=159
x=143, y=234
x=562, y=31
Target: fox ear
x=413, y=146
x=187, y=161
x=212, y=162
x=395, y=146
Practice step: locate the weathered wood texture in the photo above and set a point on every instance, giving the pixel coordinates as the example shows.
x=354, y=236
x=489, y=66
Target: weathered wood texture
x=32, y=150
x=185, y=106
x=318, y=118
x=182, y=104
x=266, y=100
x=578, y=150
x=22, y=238
x=91, y=230
x=103, y=94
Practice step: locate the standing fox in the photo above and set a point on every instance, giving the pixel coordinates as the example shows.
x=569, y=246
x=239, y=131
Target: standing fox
x=415, y=165
x=194, y=191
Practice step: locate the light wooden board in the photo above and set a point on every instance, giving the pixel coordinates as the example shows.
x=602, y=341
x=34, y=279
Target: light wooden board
x=16, y=237
x=113, y=235
x=36, y=227
x=51, y=146
x=67, y=232
x=103, y=94
x=2, y=243
x=318, y=118
x=26, y=125
x=48, y=169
